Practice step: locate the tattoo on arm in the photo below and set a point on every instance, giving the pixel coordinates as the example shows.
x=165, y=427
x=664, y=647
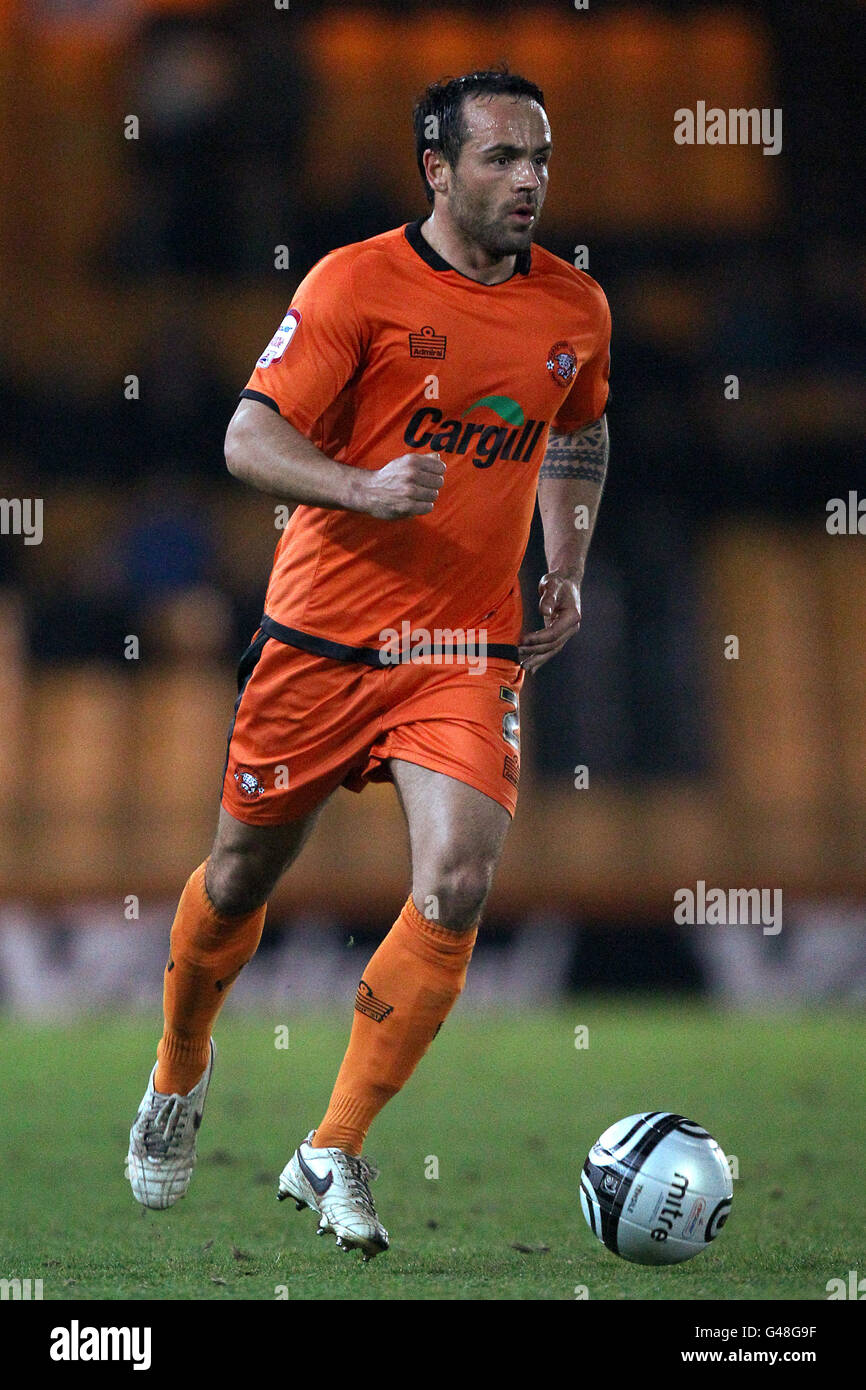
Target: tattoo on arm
x=583, y=454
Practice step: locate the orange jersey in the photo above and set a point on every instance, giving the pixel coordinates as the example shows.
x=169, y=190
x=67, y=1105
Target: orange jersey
x=386, y=350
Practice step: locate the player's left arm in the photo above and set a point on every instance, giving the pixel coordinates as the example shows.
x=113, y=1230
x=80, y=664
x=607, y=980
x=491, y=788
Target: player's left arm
x=570, y=485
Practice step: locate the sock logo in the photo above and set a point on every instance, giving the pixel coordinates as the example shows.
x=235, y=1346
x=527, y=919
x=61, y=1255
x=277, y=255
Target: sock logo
x=229, y=979
x=367, y=1003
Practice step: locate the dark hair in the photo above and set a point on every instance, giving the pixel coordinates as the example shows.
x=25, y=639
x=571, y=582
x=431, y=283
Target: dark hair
x=444, y=101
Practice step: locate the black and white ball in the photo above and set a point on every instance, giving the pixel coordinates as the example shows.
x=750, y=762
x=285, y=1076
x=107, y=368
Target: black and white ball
x=656, y=1188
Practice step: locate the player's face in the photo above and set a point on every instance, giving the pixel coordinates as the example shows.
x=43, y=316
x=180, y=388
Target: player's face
x=499, y=182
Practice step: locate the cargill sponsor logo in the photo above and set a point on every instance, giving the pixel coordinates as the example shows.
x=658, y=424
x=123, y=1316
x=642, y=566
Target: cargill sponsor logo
x=439, y=646
x=515, y=438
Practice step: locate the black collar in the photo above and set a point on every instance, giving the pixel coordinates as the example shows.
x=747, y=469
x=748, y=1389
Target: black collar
x=419, y=244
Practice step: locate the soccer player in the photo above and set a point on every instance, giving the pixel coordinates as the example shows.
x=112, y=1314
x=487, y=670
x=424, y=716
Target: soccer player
x=424, y=387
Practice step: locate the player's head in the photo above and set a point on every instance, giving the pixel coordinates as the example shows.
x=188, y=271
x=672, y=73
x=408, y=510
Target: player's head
x=482, y=142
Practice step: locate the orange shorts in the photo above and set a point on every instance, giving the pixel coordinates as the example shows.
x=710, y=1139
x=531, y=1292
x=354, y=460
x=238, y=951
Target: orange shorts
x=305, y=724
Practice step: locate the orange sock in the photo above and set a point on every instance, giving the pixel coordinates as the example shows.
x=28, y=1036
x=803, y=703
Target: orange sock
x=408, y=989
x=206, y=954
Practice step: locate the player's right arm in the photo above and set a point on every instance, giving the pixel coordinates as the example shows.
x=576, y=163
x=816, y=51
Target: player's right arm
x=319, y=345
x=266, y=451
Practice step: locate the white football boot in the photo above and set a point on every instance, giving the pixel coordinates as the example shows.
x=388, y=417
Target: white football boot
x=336, y=1186
x=162, y=1142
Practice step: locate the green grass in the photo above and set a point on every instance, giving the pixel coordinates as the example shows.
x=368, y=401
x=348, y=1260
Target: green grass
x=509, y=1107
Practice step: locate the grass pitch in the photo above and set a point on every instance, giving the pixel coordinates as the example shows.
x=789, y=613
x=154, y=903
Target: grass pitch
x=504, y=1107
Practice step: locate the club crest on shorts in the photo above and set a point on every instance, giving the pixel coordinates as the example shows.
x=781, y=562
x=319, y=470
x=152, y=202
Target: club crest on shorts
x=249, y=785
x=562, y=363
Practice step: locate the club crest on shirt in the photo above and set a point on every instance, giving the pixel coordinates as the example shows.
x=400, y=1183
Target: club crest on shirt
x=562, y=363
x=281, y=339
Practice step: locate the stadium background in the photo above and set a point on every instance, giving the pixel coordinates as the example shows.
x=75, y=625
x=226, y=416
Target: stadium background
x=154, y=258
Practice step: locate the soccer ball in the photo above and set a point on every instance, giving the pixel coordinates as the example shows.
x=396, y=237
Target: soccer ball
x=656, y=1188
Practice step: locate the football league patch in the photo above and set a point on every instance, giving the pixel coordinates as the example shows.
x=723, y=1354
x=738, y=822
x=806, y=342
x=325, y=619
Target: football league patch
x=281, y=339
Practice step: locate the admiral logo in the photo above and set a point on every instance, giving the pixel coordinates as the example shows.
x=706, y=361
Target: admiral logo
x=428, y=431
x=427, y=343
x=366, y=1003
x=562, y=363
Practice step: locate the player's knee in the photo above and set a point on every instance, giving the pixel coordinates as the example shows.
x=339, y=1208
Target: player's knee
x=459, y=892
x=235, y=884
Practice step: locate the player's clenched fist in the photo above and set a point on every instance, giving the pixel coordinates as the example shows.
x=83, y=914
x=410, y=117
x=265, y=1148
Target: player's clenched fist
x=407, y=486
